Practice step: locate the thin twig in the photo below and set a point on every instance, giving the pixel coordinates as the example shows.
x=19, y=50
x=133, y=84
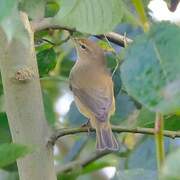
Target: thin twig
x=116, y=38
x=81, y=163
x=47, y=23
x=159, y=139
x=118, y=129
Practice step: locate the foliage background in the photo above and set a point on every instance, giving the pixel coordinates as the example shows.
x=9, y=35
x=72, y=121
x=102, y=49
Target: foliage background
x=135, y=100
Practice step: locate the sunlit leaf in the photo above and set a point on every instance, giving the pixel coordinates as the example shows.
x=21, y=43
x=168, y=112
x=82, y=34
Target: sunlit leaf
x=51, y=9
x=90, y=16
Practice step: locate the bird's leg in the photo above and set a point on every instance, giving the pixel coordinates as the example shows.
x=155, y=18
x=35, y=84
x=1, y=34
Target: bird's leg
x=87, y=124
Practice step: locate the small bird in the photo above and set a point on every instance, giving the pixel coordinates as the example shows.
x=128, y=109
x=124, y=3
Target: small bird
x=92, y=86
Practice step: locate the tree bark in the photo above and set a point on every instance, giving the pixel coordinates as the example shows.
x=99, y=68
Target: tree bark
x=24, y=105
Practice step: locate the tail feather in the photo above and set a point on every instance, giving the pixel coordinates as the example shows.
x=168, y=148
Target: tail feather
x=105, y=138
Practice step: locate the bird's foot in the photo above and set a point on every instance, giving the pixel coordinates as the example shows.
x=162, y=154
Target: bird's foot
x=87, y=125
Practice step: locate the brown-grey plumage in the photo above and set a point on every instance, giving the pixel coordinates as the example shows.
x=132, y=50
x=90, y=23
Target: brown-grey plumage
x=92, y=87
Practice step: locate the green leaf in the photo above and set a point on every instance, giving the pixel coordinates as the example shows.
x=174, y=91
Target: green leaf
x=90, y=16
x=136, y=174
x=46, y=61
x=10, y=152
x=171, y=168
x=4, y=175
x=95, y=166
x=117, y=82
x=34, y=8
x=6, y=7
x=43, y=47
x=172, y=123
x=14, y=28
x=65, y=66
x=141, y=12
x=5, y=136
x=105, y=46
x=145, y=118
x=1, y=86
x=151, y=70
x=143, y=156
x=76, y=149
x=49, y=108
x=51, y=9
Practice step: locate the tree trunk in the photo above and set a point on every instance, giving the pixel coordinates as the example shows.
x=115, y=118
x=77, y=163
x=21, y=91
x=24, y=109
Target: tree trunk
x=24, y=105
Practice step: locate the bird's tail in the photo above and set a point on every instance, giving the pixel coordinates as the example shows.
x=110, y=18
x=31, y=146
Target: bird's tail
x=105, y=139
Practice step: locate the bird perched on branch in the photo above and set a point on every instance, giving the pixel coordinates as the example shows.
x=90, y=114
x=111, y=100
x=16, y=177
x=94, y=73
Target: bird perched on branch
x=92, y=86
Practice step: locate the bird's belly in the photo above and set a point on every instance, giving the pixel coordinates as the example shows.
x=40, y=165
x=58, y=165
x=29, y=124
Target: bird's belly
x=85, y=111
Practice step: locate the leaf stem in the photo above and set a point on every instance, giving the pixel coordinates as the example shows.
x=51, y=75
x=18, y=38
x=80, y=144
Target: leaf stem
x=141, y=12
x=159, y=125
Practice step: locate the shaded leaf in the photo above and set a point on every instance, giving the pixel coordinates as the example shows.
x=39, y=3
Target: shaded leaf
x=144, y=155
x=6, y=7
x=117, y=82
x=74, y=117
x=34, y=8
x=46, y=61
x=1, y=86
x=14, y=28
x=65, y=67
x=171, y=168
x=136, y=174
x=5, y=135
x=151, y=70
x=4, y=175
x=49, y=108
x=124, y=107
x=10, y=152
x=76, y=149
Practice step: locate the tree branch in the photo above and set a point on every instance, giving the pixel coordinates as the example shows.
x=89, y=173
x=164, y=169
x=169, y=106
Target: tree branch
x=81, y=163
x=24, y=103
x=118, y=129
x=47, y=23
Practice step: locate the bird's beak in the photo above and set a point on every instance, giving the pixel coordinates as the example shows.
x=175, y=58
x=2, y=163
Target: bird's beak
x=75, y=42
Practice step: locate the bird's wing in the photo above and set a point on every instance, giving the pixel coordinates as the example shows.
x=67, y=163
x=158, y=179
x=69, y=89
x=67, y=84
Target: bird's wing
x=95, y=100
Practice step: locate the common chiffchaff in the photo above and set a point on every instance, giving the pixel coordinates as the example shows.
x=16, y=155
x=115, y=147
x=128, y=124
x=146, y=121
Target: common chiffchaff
x=92, y=86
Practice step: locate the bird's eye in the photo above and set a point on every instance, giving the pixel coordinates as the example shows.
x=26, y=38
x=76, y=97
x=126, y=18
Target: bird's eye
x=83, y=46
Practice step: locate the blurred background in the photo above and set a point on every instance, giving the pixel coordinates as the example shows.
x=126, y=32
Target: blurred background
x=137, y=157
